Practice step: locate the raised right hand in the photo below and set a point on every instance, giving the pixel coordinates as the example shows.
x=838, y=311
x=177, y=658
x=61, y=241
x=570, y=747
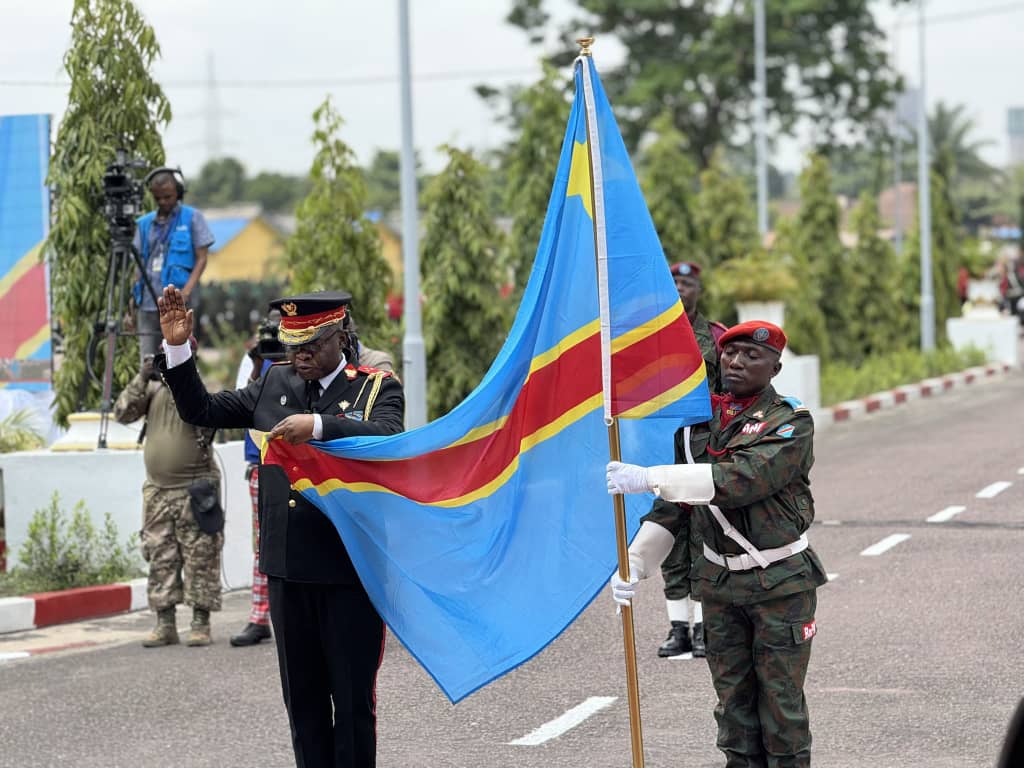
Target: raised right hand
x=175, y=319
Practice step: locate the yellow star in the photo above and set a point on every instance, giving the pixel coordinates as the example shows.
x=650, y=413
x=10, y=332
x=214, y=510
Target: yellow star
x=579, y=176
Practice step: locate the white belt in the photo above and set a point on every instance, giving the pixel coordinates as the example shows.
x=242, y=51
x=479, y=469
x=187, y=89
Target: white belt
x=746, y=562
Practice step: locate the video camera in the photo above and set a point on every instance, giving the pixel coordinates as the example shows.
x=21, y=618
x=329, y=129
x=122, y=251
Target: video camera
x=268, y=347
x=122, y=192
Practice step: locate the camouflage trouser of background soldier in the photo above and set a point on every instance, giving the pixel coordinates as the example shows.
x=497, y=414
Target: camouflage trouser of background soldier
x=184, y=562
x=675, y=569
x=758, y=657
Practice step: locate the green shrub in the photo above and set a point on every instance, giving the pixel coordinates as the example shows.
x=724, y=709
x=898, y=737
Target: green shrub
x=61, y=554
x=877, y=373
x=17, y=433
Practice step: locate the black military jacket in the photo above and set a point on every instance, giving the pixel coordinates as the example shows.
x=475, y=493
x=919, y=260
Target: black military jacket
x=297, y=541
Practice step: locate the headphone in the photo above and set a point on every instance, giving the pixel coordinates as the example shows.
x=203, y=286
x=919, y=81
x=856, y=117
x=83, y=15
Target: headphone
x=176, y=174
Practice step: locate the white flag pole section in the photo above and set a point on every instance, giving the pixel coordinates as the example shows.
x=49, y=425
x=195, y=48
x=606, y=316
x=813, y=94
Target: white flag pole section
x=614, y=449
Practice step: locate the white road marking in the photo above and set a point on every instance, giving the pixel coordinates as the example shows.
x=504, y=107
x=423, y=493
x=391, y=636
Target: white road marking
x=947, y=514
x=681, y=657
x=560, y=725
x=1020, y=471
x=995, y=489
x=885, y=544
x=14, y=655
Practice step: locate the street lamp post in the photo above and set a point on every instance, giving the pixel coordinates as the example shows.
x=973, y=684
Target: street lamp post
x=759, y=117
x=414, y=367
x=924, y=198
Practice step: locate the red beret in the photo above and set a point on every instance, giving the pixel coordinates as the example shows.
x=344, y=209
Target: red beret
x=685, y=268
x=757, y=331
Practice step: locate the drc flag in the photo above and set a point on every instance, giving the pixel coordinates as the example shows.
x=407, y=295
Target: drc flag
x=453, y=526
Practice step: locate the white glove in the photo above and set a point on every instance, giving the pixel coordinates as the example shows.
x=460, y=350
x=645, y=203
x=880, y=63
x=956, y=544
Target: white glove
x=626, y=478
x=623, y=592
x=689, y=483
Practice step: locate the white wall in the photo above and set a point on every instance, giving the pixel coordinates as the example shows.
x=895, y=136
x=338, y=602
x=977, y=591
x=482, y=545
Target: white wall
x=111, y=481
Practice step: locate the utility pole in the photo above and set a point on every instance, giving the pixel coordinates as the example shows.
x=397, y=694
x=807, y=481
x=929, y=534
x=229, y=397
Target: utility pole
x=213, y=112
x=759, y=118
x=924, y=202
x=414, y=365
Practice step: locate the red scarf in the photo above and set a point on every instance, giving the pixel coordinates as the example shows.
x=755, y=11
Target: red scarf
x=731, y=406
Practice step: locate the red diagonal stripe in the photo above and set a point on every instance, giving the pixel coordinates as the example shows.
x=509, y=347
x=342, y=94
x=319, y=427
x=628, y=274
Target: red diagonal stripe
x=548, y=394
x=23, y=310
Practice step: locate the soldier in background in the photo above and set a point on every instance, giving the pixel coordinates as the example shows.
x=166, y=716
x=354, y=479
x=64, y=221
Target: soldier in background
x=756, y=575
x=184, y=558
x=684, y=613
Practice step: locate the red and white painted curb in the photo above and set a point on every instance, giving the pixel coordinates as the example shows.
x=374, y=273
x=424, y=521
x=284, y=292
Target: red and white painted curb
x=47, y=608
x=852, y=409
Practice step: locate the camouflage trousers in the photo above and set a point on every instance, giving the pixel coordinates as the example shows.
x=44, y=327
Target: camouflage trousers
x=675, y=568
x=184, y=562
x=758, y=656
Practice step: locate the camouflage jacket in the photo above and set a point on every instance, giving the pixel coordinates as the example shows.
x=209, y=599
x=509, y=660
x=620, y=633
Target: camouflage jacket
x=761, y=464
x=708, y=350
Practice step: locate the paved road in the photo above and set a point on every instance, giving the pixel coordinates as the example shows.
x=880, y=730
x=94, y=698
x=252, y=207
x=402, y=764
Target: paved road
x=918, y=660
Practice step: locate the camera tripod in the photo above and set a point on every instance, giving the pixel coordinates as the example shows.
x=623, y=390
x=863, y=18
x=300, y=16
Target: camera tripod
x=123, y=257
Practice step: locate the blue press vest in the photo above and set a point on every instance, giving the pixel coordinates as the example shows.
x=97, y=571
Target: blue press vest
x=180, y=257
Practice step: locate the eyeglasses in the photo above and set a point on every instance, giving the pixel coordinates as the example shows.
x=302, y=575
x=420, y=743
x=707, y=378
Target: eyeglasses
x=312, y=348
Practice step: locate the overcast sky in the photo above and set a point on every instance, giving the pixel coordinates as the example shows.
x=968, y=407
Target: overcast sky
x=971, y=60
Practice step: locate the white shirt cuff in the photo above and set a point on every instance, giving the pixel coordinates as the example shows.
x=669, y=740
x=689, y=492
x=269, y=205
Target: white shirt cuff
x=318, y=427
x=177, y=353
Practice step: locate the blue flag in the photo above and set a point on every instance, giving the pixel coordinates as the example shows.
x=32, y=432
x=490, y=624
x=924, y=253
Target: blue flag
x=451, y=526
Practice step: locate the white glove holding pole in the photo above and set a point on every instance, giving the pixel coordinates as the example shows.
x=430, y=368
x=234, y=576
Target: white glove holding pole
x=651, y=545
x=626, y=478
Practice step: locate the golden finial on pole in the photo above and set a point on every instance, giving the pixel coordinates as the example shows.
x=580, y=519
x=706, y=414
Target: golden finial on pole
x=584, y=44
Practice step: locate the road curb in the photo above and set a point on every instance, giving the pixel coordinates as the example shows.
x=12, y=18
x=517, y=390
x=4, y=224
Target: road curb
x=853, y=409
x=47, y=608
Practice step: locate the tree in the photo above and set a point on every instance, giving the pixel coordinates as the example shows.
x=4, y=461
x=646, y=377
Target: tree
x=464, y=320
x=335, y=245
x=816, y=246
x=879, y=321
x=805, y=321
x=945, y=252
x=113, y=103
x=276, y=192
x=221, y=182
x=529, y=166
x=724, y=217
x=668, y=179
x=827, y=65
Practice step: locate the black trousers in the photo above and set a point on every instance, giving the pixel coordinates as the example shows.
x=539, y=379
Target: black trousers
x=329, y=646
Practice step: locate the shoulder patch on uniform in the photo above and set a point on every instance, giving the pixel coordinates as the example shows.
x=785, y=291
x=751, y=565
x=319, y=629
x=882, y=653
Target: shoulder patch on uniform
x=795, y=404
x=786, y=430
x=374, y=371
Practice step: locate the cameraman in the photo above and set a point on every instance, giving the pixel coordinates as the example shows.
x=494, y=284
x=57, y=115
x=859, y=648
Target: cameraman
x=181, y=545
x=265, y=351
x=173, y=242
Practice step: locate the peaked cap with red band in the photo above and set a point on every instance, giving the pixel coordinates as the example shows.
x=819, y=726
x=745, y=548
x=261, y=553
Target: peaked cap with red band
x=757, y=331
x=685, y=268
x=307, y=317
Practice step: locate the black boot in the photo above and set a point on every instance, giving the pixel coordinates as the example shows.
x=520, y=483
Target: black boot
x=251, y=635
x=699, y=649
x=678, y=640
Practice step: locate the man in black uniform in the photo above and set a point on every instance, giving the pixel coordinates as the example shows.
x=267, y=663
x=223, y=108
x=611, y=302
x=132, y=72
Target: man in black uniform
x=329, y=637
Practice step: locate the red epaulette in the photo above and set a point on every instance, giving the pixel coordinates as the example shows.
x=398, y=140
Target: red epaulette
x=371, y=371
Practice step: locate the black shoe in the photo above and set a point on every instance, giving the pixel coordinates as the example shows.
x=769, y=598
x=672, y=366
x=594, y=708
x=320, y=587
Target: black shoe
x=251, y=635
x=699, y=649
x=678, y=640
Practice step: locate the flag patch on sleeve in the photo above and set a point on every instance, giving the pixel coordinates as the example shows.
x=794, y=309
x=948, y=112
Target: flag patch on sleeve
x=786, y=430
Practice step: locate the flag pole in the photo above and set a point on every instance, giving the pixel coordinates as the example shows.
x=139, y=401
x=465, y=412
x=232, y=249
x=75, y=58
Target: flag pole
x=615, y=453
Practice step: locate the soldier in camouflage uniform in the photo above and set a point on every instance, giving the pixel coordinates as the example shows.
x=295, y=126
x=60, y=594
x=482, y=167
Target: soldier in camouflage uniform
x=184, y=561
x=746, y=475
x=682, y=610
